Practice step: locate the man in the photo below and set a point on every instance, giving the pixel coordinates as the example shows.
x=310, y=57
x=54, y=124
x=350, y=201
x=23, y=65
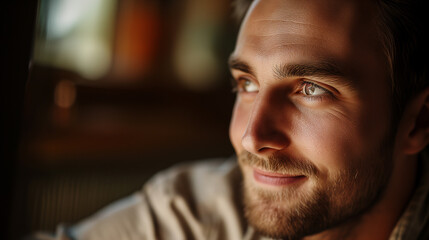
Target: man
x=329, y=126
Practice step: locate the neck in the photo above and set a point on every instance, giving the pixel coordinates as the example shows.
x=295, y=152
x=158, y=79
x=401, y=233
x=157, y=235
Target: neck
x=379, y=221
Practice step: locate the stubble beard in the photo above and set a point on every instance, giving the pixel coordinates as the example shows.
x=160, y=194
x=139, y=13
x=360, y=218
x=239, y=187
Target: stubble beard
x=293, y=213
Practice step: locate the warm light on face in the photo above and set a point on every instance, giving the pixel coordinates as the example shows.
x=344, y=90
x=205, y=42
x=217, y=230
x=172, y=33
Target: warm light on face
x=310, y=96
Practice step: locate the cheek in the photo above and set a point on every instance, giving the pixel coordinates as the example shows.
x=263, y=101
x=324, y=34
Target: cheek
x=329, y=140
x=238, y=125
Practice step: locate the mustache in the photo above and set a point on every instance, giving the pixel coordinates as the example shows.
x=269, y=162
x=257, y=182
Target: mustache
x=279, y=164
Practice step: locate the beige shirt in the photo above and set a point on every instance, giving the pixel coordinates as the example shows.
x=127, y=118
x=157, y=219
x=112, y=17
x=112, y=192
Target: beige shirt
x=203, y=201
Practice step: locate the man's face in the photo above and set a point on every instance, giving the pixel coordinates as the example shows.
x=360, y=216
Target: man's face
x=311, y=122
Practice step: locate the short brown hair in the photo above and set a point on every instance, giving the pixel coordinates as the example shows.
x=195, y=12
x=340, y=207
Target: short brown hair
x=401, y=27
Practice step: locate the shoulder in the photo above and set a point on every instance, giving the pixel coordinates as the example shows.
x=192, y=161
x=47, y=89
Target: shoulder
x=187, y=201
x=198, y=198
x=202, y=177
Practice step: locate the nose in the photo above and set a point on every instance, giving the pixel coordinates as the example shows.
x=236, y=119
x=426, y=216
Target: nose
x=266, y=131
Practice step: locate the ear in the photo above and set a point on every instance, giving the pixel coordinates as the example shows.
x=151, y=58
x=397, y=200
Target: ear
x=414, y=124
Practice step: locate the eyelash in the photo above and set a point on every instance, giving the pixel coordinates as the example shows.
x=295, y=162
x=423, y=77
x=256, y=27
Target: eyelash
x=329, y=95
x=236, y=84
x=319, y=98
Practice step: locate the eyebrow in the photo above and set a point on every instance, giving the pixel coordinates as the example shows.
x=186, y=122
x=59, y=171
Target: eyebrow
x=240, y=65
x=319, y=69
x=322, y=69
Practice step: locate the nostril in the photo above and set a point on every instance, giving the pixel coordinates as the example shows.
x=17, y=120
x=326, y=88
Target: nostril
x=266, y=150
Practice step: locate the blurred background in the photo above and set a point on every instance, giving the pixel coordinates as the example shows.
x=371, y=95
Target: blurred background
x=114, y=91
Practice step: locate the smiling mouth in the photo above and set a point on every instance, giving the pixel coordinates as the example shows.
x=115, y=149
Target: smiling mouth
x=276, y=179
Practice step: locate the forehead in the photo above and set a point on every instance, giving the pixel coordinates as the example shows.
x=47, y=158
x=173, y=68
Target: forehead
x=297, y=30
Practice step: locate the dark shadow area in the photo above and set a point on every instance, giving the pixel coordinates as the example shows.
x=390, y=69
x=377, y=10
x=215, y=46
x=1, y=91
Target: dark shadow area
x=86, y=125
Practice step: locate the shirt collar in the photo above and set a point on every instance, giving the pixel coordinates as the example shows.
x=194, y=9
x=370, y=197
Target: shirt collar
x=415, y=219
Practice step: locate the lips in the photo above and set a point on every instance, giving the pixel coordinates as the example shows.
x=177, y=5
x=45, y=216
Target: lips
x=276, y=179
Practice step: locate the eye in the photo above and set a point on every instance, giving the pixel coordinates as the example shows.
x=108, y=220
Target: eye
x=247, y=86
x=313, y=90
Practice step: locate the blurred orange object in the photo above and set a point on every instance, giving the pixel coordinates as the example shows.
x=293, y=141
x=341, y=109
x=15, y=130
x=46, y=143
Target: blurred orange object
x=137, y=38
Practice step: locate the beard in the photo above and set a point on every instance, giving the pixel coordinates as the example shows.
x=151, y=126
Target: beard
x=294, y=212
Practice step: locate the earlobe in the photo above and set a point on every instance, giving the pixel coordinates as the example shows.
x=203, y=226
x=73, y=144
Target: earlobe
x=415, y=124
